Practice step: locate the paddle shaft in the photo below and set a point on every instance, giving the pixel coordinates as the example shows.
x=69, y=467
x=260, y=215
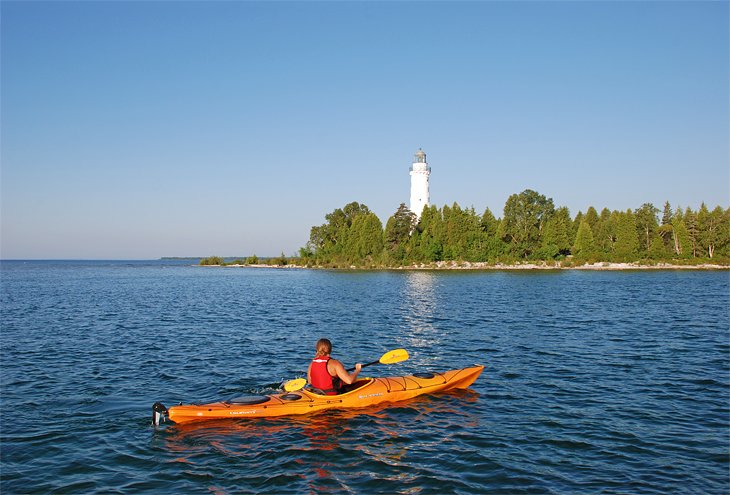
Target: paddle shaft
x=369, y=364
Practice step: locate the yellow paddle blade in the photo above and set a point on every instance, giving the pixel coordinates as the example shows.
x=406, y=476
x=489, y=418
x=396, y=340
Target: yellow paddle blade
x=296, y=384
x=394, y=356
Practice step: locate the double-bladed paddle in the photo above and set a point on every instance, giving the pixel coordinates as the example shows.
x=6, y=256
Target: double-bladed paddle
x=390, y=357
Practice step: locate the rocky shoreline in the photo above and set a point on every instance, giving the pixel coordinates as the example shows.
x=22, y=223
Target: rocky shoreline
x=588, y=266
x=466, y=265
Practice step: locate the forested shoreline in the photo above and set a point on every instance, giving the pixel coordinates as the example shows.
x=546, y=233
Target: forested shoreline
x=530, y=230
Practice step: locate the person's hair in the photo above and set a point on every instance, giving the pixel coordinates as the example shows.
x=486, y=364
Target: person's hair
x=324, y=347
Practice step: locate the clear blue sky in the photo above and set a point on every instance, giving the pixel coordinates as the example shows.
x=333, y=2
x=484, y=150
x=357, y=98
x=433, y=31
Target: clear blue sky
x=147, y=129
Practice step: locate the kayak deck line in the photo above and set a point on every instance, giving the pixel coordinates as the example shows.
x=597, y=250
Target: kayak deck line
x=407, y=378
x=364, y=392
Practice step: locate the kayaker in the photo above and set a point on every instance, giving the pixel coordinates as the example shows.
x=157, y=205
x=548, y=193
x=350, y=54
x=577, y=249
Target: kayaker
x=328, y=374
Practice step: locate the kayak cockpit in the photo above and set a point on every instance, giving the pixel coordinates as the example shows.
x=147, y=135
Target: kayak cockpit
x=249, y=400
x=348, y=389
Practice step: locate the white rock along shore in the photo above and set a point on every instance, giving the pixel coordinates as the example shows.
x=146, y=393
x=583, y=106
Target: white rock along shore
x=466, y=265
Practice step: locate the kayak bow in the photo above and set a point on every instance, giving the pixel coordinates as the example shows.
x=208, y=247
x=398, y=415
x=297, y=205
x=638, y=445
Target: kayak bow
x=364, y=392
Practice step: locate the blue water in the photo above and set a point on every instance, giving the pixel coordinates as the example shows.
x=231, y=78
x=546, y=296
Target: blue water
x=595, y=382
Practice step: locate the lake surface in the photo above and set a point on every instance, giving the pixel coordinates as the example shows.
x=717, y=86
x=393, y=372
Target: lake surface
x=595, y=382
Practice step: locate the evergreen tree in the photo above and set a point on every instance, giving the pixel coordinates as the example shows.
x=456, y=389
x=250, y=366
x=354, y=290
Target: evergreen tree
x=576, y=223
x=397, y=234
x=681, y=244
x=604, y=233
x=658, y=250
x=666, y=229
x=446, y=227
x=646, y=223
x=705, y=230
x=723, y=241
x=434, y=228
x=667, y=215
x=627, y=241
x=591, y=217
x=475, y=238
x=366, y=238
x=492, y=246
x=584, y=247
x=489, y=223
x=710, y=226
x=690, y=220
x=463, y=233
x=425, y=238
x=456, y=233
x=556, y=240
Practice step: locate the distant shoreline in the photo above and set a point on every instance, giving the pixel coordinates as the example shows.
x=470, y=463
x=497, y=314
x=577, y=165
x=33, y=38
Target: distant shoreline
x=465, y=265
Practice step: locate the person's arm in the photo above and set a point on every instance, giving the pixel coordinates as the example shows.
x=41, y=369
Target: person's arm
x=309, y=374
x=342, y=374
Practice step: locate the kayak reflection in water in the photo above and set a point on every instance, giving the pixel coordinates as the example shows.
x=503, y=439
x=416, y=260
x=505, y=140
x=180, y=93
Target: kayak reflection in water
x=327, y=374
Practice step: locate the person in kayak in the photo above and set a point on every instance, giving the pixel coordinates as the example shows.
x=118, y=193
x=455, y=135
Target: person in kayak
x=327, y=374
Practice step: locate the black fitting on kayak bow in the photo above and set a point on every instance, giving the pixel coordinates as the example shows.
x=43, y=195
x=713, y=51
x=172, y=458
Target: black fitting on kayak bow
x=159, y=412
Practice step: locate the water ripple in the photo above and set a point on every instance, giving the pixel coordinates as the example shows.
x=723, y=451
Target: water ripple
x=594, y=382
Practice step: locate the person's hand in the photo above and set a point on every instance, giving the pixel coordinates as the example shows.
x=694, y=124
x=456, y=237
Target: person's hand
x=358, y=367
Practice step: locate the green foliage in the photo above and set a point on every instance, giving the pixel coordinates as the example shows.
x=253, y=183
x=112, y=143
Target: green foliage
x=690, y=220
x=646, y=224
x=462, y=232
x=531, y=229
x=212, y=260
x=525, y=216
x=556, y=239
x=576, y=223
x=667, y=214
x=281, y=260
x=713, y=230
x=591, y=217
x=427, y=238
x=491, y=247
x=658, y=250
x=334, y=242
x=626, y=246
x=681, y=244
x=666, y=229
x=723, y=243
x=584, y=247
x=489, y=224
x=365, y=241
x=604, y=234
x=397, y=234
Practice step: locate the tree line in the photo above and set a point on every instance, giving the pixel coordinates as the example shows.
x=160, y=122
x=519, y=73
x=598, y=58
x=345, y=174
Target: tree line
x=281, y=260
x=531, y=229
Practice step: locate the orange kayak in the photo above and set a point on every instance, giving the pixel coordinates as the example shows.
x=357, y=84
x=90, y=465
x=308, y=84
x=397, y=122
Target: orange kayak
x=366, y=392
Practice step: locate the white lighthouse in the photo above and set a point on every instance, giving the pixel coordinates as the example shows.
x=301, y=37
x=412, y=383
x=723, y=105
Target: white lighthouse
x=420, y=171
